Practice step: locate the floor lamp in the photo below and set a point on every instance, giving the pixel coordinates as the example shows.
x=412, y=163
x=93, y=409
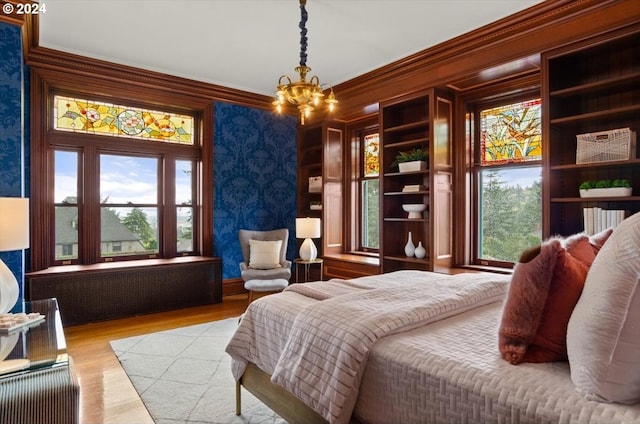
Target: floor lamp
x=308, y=228
x=14, y=235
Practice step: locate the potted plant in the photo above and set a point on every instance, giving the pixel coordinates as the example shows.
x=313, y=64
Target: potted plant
x=411, y=160
x=606, y=188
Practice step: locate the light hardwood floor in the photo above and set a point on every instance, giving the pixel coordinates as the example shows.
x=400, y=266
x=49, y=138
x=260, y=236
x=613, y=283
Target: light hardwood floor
x=107, y=395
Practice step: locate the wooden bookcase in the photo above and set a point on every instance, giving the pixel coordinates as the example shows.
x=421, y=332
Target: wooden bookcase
x=421, y=120
x=320, y=153
x=588, y=87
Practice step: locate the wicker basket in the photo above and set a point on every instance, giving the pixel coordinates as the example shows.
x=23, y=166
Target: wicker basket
x=605, y=146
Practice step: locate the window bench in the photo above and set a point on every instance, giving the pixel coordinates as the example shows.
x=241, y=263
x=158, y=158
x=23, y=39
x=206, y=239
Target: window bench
x=89, y=293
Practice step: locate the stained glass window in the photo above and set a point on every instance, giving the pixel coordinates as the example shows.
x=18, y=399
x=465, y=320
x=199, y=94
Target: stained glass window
x=511, y=133
x=99, y=118
x=371, y=155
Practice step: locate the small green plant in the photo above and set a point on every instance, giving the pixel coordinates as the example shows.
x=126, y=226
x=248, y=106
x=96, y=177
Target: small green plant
x=410, y=156
x=621, y=183
x=588, y=185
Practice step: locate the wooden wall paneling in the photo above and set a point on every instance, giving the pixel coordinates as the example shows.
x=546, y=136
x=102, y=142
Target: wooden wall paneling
x=442, y=222
x=441, y=202
x=333, y=181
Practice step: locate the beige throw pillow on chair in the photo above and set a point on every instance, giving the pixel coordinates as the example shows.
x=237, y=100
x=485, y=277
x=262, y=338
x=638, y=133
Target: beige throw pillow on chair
x=264, y=254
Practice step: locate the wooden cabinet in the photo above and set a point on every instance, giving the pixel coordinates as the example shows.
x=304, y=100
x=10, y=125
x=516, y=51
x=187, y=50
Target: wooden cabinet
x=320, y=157
x=421, y=120
x=588, y=87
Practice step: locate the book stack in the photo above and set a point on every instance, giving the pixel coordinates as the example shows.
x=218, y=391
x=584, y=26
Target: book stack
x=598, y=219
x=415, y=187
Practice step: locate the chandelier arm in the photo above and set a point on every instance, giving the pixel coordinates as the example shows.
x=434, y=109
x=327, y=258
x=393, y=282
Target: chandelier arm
x=285, y=77
x=303, y=33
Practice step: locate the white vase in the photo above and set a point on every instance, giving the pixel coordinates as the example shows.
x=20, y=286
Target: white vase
x=409, y=248
x=420, y=251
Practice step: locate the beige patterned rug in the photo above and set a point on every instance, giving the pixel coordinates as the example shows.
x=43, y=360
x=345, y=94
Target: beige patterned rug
x=184, y=376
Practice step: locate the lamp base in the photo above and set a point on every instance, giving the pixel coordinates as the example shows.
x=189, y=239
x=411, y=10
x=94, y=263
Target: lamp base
x=9, y=289
x=308, y=250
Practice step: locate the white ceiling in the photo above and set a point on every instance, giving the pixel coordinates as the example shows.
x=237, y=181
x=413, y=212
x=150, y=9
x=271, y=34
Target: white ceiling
x=248, y=44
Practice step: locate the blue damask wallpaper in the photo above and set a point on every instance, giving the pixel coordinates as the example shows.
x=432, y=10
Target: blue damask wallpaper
x=255, y=178
x=12, y=138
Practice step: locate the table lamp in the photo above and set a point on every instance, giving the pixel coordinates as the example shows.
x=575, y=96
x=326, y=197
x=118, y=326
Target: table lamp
x=14, y=235
x=308, y=228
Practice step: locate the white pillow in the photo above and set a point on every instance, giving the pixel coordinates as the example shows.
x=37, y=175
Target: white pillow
x=603, y=336
x=264, y=254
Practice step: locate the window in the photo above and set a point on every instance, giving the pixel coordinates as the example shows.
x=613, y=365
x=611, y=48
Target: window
x=100, y=118
x=507, y=175
x=370, y=193
x=136, y=196
x=129, y=205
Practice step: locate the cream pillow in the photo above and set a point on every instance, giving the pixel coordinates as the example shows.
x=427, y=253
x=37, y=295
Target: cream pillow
x=603, y=335
x=264, y=254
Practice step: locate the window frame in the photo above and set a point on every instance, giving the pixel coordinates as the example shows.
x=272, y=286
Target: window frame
x=355, y=160
x=473, y=108
x=89, y=148
x=361, y=193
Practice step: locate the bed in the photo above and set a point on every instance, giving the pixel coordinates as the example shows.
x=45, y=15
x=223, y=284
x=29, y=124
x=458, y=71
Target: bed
x=298, y=352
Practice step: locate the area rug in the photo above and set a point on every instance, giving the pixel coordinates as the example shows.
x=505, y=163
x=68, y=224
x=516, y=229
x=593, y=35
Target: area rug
x=184, y=376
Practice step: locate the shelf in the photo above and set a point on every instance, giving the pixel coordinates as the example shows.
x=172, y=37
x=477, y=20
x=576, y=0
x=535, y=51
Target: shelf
x=398, y=193
x=391, y=219
x=614, y=112
x=598, y=86
x=581, y=166
x=406, y=143
x=407, y=126
x=400, y=174
x=594, y=199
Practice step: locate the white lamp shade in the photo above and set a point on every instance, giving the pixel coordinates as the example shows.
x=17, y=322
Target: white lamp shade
x=14, y=223
x=307, y=228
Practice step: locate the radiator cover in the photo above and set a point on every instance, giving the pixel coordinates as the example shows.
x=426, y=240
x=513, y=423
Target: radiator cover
x=97, y=293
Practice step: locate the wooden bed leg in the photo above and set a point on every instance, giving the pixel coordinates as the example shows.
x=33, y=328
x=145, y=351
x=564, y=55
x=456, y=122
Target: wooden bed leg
x=238, y=412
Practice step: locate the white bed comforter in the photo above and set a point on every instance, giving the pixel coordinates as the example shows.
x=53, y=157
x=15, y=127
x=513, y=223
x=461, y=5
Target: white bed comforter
x=322, y=356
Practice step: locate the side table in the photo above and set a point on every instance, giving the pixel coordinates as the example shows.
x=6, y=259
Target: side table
x=47, y=389
x=306, y=265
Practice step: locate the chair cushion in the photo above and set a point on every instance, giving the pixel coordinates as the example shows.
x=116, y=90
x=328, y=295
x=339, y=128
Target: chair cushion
x=266, y=285
x=264, y=254
x=266, y=274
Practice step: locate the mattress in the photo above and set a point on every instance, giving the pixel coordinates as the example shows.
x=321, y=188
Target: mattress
x=451, y=372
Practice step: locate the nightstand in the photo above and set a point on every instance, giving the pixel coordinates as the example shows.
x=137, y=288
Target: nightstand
x=307, y=265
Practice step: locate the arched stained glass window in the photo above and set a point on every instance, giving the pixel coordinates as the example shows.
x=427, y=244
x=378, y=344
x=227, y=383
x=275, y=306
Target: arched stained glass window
x=100, y=118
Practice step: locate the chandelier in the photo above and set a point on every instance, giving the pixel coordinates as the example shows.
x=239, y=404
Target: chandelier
x=306, y=95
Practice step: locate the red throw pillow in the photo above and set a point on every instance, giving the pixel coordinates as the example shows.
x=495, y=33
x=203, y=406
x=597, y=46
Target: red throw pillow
x=580, y=248
x=550, y=341
x=545, y=287
x=525, y=300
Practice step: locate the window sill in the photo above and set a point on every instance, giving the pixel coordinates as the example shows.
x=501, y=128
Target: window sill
x=355, y=258
x=109, y=266
x=486, y=268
